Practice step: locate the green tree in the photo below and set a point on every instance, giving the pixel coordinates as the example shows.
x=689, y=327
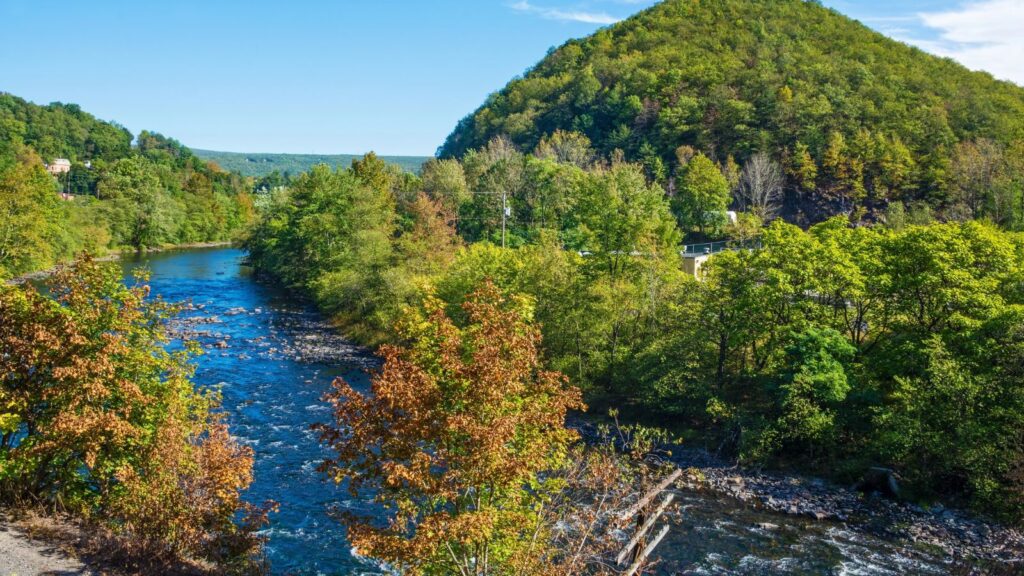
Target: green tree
x=32, y=221
x=445, y=181
x=802, y=168
x=703, y=195
x=812, y=391
x=567, y=148
x=100, y=418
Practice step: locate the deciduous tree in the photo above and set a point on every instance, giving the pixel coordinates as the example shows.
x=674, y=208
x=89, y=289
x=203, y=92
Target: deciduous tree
x=451, y=442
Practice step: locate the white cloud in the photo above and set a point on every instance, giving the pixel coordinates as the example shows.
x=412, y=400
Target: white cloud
x=586, y=17
x=984, y=35
x=890, y=19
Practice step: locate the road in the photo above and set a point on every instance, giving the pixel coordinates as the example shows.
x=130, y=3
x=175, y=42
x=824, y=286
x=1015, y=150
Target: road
x=22, y=556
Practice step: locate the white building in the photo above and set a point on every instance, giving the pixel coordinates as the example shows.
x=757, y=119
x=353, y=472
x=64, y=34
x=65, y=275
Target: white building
x=59, y=166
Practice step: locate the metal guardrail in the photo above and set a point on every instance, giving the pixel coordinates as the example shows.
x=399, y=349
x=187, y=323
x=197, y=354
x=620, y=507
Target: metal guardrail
x=694, y=250
x=705, y=248
x=709, y=248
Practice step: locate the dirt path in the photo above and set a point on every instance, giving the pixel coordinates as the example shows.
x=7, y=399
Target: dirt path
x=20, y=555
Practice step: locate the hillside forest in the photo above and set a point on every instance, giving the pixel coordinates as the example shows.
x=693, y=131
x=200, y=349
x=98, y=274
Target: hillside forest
x=856, y=121
x=121, y=192
x=258, y=165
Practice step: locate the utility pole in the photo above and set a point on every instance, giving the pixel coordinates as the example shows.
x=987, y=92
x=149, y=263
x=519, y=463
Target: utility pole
x=505, y=213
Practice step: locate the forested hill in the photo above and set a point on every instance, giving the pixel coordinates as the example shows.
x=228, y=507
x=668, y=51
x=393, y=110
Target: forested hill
x=259, y=165
x=117, y=191
x=856, y=119
x=60, y=131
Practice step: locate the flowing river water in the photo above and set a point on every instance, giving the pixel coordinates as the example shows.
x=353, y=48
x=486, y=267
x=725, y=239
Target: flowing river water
x=272, y=357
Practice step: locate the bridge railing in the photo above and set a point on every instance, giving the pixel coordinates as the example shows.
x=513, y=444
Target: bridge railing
x=694, y=250
x=708, y=248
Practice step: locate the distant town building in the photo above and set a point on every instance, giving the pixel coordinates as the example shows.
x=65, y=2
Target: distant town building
x=59, y=166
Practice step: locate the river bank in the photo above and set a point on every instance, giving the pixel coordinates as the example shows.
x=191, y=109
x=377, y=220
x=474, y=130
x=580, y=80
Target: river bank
x=25, y=552
x=961, y=537
x=963, y=540
x=117, y=255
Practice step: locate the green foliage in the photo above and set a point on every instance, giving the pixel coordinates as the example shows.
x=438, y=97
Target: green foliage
x=154, y=194
x=703, y=195
x=814, y=382
x=860, y=346
x=61, y=131
x=98, y=416
x=352, y=240
x=833, y=349
x=31, y=235
x=856, y=118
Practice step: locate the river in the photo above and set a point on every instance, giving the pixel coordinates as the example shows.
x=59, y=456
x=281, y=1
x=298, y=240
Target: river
x=268, y=355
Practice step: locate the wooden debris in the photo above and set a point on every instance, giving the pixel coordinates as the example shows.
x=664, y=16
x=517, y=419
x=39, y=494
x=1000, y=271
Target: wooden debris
x=643, y=530
x=643, y=502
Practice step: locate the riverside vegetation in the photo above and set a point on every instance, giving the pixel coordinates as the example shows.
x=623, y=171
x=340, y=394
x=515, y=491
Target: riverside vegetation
x=99, y=418
x=152, y=193
x=832, y=349
x=98, y=415
x=462, y=441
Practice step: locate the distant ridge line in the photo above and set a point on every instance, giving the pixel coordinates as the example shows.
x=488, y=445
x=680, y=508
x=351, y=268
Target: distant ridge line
x=259, y=164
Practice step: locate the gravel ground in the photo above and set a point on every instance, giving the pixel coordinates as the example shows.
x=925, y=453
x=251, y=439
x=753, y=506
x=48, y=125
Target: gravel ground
x=20, y=555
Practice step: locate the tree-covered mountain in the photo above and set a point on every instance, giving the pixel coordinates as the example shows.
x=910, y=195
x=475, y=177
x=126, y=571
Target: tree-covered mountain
x=259, y=165
x=61, y=131
x=856, y=120
x=117, y=191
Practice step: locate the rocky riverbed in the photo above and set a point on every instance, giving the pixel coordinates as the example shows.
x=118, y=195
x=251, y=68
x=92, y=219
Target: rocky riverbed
x=958, y=535
x=294, y=335
x=963, y=539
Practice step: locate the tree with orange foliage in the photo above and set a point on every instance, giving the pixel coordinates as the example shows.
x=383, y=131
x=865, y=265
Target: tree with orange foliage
x=452, y=442
x=99, y=417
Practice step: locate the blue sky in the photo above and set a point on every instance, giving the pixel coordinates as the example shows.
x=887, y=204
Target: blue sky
x=348, y=76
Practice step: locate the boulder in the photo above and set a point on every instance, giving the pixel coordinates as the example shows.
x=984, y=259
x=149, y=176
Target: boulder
x=882, y=480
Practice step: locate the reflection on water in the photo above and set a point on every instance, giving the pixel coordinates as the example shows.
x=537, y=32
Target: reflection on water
x=252, y=334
